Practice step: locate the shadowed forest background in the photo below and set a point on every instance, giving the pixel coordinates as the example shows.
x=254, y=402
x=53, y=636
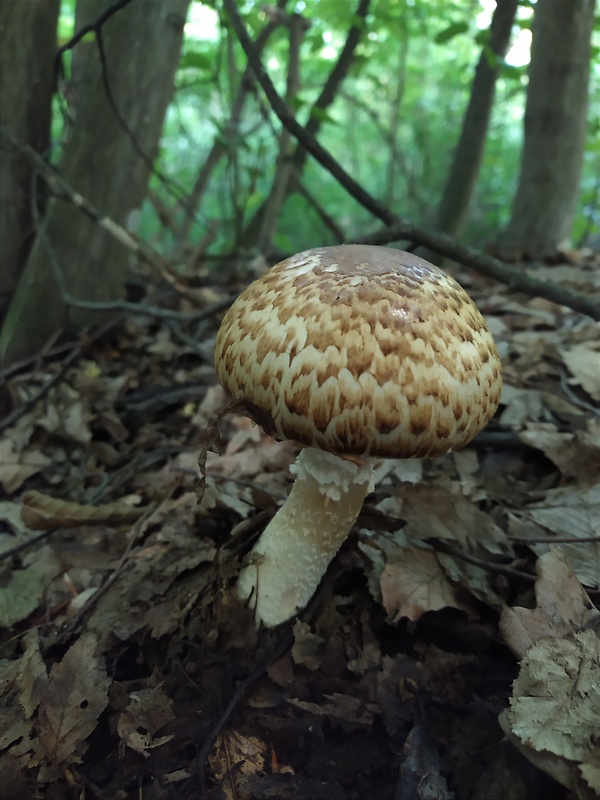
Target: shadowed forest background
x=155, y=157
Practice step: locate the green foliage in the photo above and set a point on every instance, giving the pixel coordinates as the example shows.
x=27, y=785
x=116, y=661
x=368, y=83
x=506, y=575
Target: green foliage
x=393, y=125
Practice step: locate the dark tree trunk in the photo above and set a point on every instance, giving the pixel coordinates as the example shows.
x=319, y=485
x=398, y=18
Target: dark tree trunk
x=27, y=48
x=555, y=129
x=454, y=205
x=142, y=43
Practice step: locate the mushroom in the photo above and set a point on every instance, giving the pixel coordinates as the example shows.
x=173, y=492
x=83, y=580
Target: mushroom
x=354, y=353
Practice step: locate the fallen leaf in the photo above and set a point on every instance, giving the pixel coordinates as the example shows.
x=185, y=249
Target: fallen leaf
x=433, y=512
x=583, y=362
x=235, y=758
x=42, y=513
x=562, y=606
x=577, y=454
x=555, y=705
x=33, y=677
x=76, y=695
x=20, y=593
x=16, y=467
x=570, y=512
x=341, y=708
x=416, y=583
x=149, y=710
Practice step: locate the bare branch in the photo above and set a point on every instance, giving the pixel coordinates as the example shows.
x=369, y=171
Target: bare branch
x=513, y=277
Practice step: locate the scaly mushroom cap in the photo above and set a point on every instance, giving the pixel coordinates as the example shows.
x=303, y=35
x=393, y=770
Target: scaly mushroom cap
x=360, y=351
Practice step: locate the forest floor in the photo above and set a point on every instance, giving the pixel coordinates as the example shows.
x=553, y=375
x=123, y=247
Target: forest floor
x=451, y=651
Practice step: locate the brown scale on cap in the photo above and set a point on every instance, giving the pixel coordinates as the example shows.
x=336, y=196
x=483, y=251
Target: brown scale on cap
x=361, y=351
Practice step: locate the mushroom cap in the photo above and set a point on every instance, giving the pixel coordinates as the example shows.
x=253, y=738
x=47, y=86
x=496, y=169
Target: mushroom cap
x=360, y=351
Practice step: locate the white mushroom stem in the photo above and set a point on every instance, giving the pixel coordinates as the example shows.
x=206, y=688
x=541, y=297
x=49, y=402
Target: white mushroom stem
x=293, y=553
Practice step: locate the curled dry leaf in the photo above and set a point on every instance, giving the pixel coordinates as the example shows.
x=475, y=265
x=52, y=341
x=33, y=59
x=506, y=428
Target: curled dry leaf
x=42, y=513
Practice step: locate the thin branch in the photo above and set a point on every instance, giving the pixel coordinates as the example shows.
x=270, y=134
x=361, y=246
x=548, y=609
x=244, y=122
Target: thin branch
x=513, y=277
x=489, y=566
x=554, y=539
x=93, y=27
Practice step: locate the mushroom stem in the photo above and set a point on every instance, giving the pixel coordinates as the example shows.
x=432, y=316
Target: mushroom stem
x=290, y=558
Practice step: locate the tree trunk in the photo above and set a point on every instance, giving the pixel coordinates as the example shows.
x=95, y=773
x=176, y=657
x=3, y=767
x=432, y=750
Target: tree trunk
x=27, y=49
x=555, y=129
x=142, y=43
x=454, y=205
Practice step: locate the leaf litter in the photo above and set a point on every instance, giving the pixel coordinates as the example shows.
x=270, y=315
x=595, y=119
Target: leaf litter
x=451, y=651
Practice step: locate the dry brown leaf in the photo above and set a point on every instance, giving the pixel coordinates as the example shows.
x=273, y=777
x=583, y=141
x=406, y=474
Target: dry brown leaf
x=416, y=583
x=583, y=362
x=42, y=513
x=32, y=677
x=577, y=454
x=234, y=759
x=16, y=467
x=149, y=710
x=562, y=606
x=569, y=512
x=66, y=415
x=307, y=648
x=76, y=695
x=433, y=512
x=344, y=708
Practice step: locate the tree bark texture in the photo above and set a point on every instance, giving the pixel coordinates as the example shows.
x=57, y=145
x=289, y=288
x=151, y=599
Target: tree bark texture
x=142, y=43
x=27, y=48
x=466, y=163
x=555, y=128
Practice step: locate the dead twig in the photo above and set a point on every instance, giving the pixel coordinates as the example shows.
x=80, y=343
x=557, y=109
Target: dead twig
x=489, y=566
x=18, y=548
x=553, y=539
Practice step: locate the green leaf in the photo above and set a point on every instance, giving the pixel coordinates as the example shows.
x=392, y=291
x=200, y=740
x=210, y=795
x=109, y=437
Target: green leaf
x=196, y=59
x=323, y=116
x=20, y=593
x=513, y=73
x=455, y=29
